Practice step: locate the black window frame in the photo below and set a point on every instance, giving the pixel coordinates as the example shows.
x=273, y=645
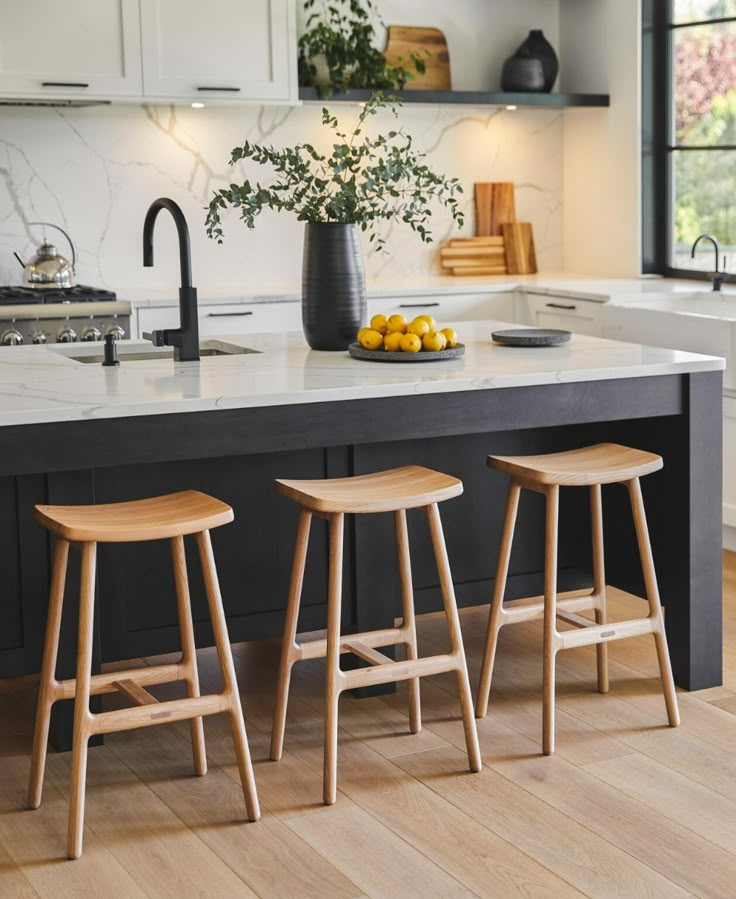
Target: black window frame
x=656, y=135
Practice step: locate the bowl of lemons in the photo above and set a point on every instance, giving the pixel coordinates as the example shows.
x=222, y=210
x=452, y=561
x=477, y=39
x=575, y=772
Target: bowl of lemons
x=395, y=339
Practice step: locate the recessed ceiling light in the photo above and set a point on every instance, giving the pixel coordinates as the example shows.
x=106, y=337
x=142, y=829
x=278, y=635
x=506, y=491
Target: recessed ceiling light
x=512, y=108
x=197, y=105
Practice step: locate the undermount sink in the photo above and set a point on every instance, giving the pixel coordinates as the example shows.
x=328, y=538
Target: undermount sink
x=136, y=353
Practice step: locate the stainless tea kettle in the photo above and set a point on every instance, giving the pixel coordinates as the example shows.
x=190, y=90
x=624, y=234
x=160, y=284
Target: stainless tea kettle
x=48, y=268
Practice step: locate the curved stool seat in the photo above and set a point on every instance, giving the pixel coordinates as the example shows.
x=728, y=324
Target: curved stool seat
x=604, y=463
x=590, y=466
x=394, y=491
x=156, y=518
x=83, y=527
x=409, y=487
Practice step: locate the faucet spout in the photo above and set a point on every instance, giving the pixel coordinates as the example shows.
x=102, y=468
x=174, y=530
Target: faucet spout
x=718, y=277
x=185, y=338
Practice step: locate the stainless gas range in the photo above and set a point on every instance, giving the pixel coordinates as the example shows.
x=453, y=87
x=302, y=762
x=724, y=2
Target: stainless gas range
x=63, y=315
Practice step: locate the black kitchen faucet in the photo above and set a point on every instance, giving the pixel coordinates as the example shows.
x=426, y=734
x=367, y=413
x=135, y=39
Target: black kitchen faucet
x=185, y=338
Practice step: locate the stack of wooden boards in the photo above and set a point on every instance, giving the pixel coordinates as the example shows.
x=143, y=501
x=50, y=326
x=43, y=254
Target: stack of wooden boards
x=501, y=246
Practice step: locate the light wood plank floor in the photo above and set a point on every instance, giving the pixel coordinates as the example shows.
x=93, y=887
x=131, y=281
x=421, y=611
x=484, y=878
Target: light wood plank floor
x=627, y=807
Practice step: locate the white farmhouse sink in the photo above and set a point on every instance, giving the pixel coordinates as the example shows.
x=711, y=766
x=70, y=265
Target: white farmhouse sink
x=700, y=322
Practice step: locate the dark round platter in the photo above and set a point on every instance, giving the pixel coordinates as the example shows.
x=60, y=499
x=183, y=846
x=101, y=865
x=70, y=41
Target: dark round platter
x=357, y=352
x=531, y=337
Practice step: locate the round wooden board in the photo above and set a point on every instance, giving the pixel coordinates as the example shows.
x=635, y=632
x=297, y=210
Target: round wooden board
x=357, y=352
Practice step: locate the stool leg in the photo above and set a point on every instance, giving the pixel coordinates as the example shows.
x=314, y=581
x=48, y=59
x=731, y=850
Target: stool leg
x=655, y=606
x=227, y=669
x=82, y=716
x=188, y=649
x=495, y=617
x=409, y=623
x=333, y=673
x=456, y=637
x=289, y=647
x=599, y=581
x=550, y=619
x=48, y=674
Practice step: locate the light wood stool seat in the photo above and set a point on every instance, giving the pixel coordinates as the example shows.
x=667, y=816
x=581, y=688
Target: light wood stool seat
x=386, y=491
x=155, y=518
x=590, y=467
x=409, y=487
x=604, y=463
x=164, y=517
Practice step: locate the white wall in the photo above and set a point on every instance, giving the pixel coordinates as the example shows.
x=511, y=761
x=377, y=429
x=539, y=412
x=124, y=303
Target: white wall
x=601, y=47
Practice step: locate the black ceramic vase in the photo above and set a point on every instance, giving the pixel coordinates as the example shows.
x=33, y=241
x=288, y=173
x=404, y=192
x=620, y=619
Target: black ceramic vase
x=537, y=46
x=333, y=286
x=522, y=74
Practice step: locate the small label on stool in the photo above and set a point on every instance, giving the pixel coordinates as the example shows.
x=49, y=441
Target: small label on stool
x=607, y=634
x=156, y=715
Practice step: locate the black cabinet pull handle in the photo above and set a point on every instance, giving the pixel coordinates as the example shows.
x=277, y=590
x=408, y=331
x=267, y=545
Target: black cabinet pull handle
x=64, y=84
x=560, y=306
x=226, y=314
x=233, y=90
x=416, y=305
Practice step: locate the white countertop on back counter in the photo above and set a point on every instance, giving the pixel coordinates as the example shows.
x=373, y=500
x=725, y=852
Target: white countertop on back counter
x=560, y=284
x=44, y=384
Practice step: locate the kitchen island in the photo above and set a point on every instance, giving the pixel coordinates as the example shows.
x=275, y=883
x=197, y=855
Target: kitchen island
x=76, y=432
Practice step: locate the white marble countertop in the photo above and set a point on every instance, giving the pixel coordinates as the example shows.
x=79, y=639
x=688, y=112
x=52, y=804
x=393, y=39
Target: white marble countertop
x=551, y=284
x=43, y=384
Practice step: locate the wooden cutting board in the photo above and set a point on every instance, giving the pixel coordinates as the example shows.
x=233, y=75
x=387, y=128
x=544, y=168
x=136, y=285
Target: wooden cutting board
x=404, y=40
x=494, y=205
x=474, y=256
x=521, y=257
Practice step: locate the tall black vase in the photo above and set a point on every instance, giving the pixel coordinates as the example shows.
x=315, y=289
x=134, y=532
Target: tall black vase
x=333, y=285
x=537, y=46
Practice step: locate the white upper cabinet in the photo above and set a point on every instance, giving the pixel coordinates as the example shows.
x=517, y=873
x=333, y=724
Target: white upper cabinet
x=70, y=48
x=222, y=49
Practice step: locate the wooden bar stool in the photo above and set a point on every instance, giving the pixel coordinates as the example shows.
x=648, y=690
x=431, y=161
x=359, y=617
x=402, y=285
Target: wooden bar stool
x=164, y=517
x=386, y=491
x=605, y=463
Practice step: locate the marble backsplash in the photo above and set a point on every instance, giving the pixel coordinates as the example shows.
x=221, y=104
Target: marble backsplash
x=94, y=171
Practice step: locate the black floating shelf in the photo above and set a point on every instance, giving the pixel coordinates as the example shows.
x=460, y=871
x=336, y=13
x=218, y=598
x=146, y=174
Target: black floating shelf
x=468, y=98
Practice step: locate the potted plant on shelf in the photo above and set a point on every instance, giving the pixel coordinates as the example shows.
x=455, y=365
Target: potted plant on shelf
x=363, y=182
x=337, y=52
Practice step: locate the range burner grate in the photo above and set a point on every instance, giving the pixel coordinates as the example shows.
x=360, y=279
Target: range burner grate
x=17, y=295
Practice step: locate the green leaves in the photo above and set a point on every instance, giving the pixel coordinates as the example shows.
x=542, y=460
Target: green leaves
x=365, y=180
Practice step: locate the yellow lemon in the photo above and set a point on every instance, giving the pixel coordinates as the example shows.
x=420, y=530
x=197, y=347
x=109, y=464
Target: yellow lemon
x=396, y=323
x=392, y=342
x=419, y=327
x=411, y=343
x=434, y=341
x=371, y=340
x=451, y=337
x=360, y=334
x=430, y=321
x=378, y=323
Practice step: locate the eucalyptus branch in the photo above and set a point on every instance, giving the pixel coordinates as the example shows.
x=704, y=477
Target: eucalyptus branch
x=363, y=181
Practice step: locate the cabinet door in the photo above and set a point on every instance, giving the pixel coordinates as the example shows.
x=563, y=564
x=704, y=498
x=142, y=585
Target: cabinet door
x=578, y=316
x=227, y=318
x=70, y=48
x=226, y=49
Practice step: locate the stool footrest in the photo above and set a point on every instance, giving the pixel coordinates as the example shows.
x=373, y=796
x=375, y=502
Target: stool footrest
x=317, y=649
x=530, y=609
x=573, y=619
x=602, y=633
x=367, y=653
x=105, y=683
x=391, y=671
x=160, y=713
x=137, y=694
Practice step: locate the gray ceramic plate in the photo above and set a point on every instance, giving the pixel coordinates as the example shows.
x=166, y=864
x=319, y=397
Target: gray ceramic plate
x=531, y=337
x=357, y=352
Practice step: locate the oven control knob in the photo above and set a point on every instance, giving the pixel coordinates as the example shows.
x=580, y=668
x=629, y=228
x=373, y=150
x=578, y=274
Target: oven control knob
x=11, y=337
x=38, y=337
x=91, y=334
x=67, y=335
x=117, y=332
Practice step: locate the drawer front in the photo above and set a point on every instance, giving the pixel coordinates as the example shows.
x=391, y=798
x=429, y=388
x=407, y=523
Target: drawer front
x=578, y=316
x=228, y=318
x=448, y=308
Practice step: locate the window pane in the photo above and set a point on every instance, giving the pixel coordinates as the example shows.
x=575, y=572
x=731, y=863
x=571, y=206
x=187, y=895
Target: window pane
x=697, y=10
x=705, y=85
x=704, y=202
